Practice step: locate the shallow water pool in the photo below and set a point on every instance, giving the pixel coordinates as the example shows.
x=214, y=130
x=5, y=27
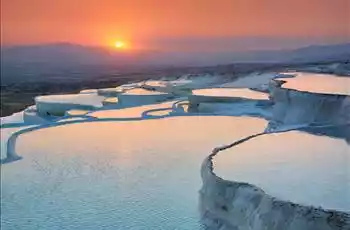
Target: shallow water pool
x=231, y=92
x=294, y=166
x=318, y=83
x=114, y=175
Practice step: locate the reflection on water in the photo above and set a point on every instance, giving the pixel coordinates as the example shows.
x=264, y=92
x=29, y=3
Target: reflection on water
x=160, y=112
x=139, y=91
x=318, y=83
x=111, y=100
x=131, y=112
x=296, y=166
x=114, y=175
x=77, y=112
x=227, y=92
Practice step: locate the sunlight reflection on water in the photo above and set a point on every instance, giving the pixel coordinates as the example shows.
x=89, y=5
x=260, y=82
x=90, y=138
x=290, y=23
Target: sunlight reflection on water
x=319, y=83
x=115, y=175
x=294, y=166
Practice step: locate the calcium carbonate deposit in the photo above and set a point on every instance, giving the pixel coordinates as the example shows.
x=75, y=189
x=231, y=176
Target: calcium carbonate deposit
x=303, y=172
x=267, y=151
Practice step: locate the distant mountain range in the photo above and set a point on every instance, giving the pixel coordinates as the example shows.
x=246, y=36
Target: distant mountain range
x=66, y=53
x=60, y=53
x=39, y=61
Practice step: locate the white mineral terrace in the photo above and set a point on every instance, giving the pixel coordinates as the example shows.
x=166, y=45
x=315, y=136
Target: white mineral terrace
x=231, y=93
x=139, y=91
x=182, y=83
x=292, y=166
x=14, y=118
x=255, y=80
x=318, y=83
x=138, y=96
x=5, y=135
x=110, y=92
x=81, y=99
x=311, y=99
x=137, y=157
x=59, y=104
x=88, y=91
x=178, y=87
x=178, y=84
x=156, y=84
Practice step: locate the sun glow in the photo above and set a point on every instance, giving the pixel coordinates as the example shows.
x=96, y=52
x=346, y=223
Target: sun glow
x=119, y=45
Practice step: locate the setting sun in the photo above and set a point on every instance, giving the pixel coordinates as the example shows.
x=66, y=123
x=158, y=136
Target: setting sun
x=119, y=45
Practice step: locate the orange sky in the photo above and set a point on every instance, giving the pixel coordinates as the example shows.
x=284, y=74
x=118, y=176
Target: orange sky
x=144, y=22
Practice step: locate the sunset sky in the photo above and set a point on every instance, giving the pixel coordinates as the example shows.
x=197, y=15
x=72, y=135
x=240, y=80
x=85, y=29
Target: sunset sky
x=168, y=24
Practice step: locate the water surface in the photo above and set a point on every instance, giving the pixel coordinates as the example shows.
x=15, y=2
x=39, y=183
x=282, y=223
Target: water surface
x=114, y=175
x=295, y=166
x=231, y=92
x=139, y=91
x=318, y=83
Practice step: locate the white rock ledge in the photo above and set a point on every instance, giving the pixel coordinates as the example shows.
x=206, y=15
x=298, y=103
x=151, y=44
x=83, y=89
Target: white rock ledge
x=225, y=95
x=30, y=115
x=58, y=105
x=229, y=205
x=300, y=107
x=138, y=96
x=109, y=92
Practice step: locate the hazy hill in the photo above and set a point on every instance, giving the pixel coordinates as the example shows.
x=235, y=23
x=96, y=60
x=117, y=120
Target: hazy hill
x=77, y=61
